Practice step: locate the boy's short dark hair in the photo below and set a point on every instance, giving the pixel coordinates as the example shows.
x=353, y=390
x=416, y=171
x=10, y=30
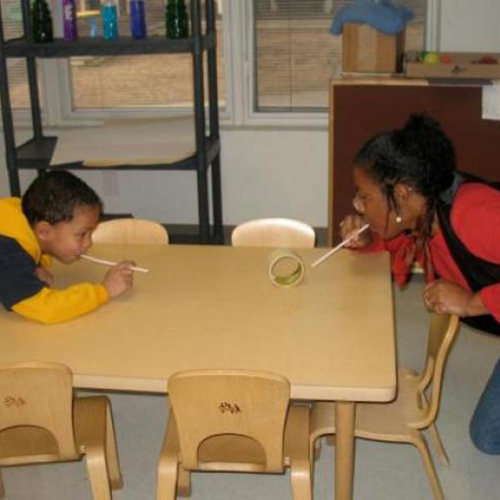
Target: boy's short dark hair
x=53, y=197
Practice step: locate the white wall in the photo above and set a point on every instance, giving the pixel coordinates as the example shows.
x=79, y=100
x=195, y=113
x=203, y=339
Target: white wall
x=273, y=172
x=264, y=173
x=26, y=176
x=470, y=25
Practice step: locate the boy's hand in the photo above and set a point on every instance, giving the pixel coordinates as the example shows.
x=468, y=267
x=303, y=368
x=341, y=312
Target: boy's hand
x=44, y=275
x=350, y=225
x=119, y=279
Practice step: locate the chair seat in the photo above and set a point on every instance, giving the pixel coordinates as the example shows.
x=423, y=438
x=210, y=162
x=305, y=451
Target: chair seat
x=390, y=421
x=31, y=445
x=233, y=453
x=28, y=445
x=223, y=452
x=384, y=422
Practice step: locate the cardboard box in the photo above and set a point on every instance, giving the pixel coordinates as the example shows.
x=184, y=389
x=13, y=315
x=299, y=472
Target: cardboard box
x=366, y=50
x=451, y=65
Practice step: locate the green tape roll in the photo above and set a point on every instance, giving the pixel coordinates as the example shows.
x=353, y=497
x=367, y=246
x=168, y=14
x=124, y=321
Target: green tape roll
x=286, y=268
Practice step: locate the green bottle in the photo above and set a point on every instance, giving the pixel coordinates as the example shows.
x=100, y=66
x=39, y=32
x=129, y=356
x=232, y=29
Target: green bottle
x=176, y=19
x=41, y=22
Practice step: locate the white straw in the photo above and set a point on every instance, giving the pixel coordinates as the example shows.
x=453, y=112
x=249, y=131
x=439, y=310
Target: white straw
x=111, y=263
x=340, y=245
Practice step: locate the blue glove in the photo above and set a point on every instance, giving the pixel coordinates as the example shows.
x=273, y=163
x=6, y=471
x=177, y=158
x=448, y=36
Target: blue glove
x=381, y=15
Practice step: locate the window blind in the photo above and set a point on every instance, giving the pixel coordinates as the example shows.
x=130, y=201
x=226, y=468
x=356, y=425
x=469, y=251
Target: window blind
x=16, y=68
x=127, y=82
x=296, y=56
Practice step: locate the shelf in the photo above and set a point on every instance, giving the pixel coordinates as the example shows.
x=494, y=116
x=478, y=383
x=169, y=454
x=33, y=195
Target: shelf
x=141, y=145
x=99, y=47
x=36, y=154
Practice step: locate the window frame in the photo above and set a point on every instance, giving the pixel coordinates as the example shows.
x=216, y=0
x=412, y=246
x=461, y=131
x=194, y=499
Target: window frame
x=60, y=111
x=317, y=119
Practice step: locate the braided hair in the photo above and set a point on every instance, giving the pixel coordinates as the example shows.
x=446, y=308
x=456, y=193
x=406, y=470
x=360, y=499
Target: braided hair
x=419, y=155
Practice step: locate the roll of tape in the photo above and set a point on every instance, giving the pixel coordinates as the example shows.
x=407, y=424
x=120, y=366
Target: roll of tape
x=286, y=268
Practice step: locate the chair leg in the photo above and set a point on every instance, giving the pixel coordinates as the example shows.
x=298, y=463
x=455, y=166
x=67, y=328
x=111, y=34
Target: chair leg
x=297, y=447
x=168, y=469
x=322, y=423
x=315, y=448
x=91, y=423
x=438, y=444
x=98, y=474
x=420, y=443
x=301, y=480
x=115, y=477
x=183, y=482
x=2, y=490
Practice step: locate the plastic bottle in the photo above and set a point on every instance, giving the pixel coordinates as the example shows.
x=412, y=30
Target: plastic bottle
x=70, y=30
x=109, y=14
x=176, y=19
x=137, y=19
x=93, y=28
x=41, y=22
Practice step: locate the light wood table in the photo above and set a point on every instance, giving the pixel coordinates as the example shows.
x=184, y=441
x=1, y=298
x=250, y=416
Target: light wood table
x=332, y=335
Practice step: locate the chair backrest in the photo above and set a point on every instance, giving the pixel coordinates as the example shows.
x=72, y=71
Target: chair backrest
x=442, y=332
x=213, y=408
x=36, y=407
x=129, y=231
x=283, y=233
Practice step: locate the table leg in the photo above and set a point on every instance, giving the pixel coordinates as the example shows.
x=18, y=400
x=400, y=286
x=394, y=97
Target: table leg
x=345, y=413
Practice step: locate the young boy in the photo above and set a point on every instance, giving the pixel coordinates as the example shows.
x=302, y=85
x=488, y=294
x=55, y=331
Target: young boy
x=55, y=218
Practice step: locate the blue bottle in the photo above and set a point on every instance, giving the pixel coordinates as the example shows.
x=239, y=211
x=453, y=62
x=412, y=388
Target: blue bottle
x=137, y=19
x=93, y=28
x=109, y=16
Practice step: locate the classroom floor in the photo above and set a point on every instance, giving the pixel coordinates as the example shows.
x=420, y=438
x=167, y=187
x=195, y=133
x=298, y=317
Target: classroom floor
x=383, y=471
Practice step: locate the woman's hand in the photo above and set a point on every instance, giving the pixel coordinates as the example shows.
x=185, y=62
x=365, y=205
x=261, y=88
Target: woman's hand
x=350, y=225
x=444, y=297
x=44, y=275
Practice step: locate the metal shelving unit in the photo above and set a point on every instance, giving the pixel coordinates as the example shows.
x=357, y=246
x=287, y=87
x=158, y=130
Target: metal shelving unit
x=37, y=152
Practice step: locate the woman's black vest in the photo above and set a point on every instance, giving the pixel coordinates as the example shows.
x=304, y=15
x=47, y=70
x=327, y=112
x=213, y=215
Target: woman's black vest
x=478, y=272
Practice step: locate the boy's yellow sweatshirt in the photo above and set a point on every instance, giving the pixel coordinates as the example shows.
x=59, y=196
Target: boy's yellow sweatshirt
x=20, y=288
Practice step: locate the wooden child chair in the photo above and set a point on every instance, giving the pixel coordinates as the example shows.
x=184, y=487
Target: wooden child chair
x=404, y=419
x=233, y=420
x=129, y=231
x=284, y=233
x=41, y=422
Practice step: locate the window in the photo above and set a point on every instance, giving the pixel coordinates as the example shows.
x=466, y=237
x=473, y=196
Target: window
x=16, y=68
x=275, y=59
x=104, y=85
x=295, y=55
x=135, y=82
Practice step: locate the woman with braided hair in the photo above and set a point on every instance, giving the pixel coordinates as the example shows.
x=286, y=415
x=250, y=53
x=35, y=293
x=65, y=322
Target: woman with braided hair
x=420, y=208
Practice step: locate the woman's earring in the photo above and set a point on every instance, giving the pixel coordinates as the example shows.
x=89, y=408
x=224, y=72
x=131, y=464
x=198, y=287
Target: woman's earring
x=399, y=219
